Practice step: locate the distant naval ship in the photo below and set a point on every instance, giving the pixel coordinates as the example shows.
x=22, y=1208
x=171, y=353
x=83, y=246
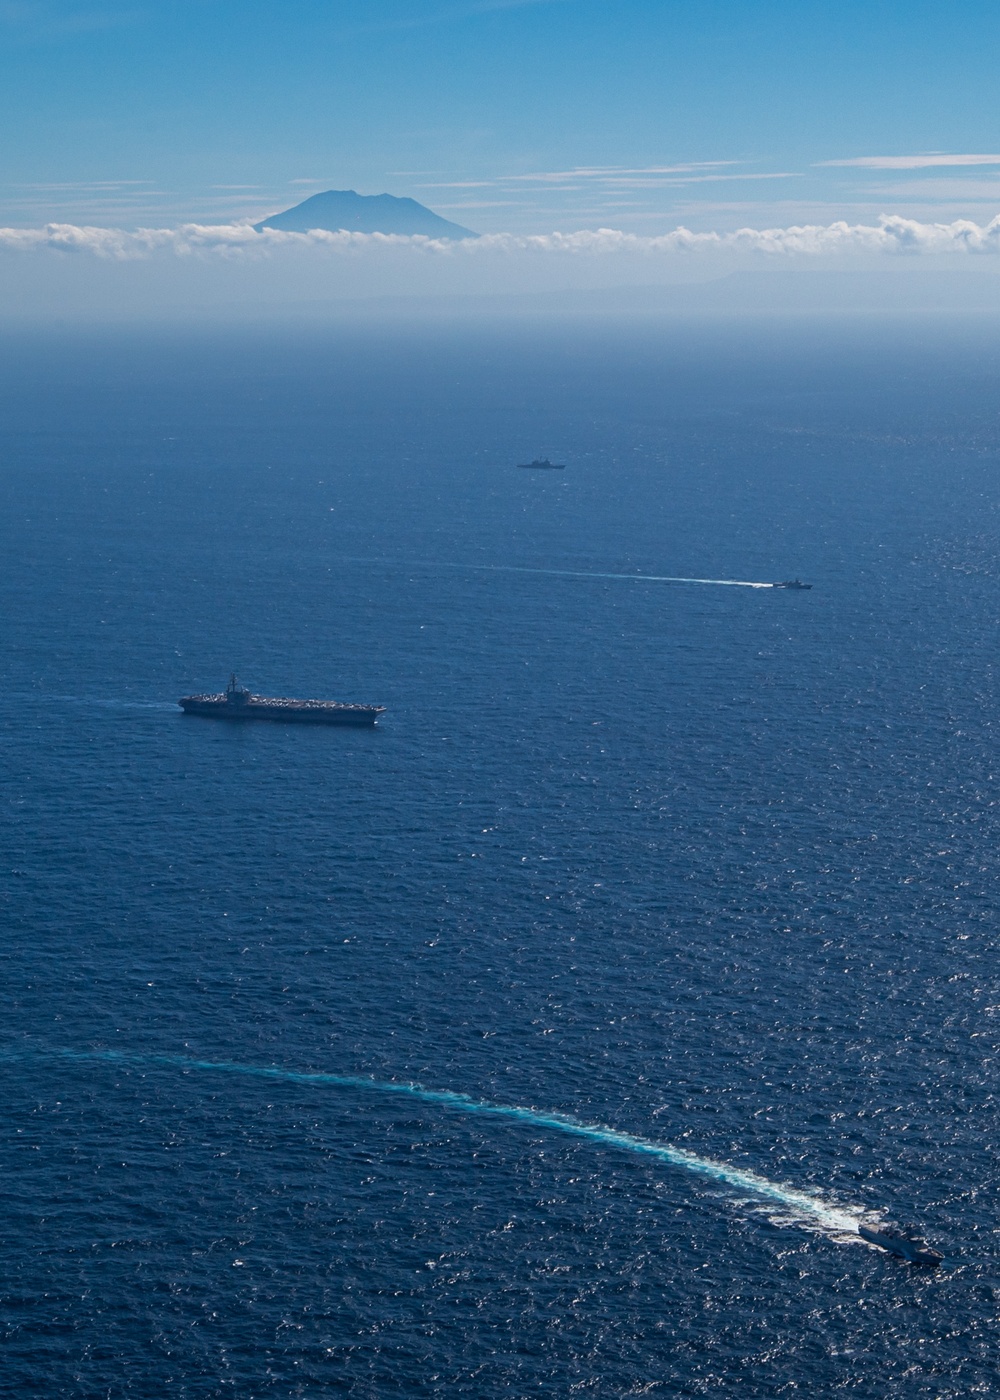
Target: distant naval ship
x=542, y=465
x=238, y=703
x=906, y=1242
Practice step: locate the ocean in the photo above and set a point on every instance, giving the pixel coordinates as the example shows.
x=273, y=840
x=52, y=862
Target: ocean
x=551, y=1037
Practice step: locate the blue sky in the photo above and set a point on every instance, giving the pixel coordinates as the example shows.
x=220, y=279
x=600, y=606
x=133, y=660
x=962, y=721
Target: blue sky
x=507, y=116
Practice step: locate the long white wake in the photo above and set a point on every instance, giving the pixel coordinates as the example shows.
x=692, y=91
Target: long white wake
x=790, y=1206
x=560, y=573
x=587, y=573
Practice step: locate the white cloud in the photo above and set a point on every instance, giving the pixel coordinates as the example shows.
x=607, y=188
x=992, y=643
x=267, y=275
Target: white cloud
x=599, y=174
x=53, y=19
x=892, y=234
x=911, y=162
x=653, y=178
x=603, y=172
x=958, y=188
x=87, y=186
x=451, y=15
x=222, y=270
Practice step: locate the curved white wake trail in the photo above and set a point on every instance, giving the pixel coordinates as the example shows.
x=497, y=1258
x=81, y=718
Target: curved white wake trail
x=792, y=1207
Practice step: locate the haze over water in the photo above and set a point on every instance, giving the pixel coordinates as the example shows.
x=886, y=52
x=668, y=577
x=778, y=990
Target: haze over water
x=706, y=867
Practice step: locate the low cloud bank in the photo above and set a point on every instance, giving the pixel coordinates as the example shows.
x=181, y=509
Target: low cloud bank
x=232, y=271
x=891, y=235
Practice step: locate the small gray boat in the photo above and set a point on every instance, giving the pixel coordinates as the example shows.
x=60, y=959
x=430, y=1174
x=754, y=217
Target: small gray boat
x=905, y=1241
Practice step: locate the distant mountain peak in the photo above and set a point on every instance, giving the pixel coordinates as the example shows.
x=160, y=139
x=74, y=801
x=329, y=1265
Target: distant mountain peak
x=364, y=213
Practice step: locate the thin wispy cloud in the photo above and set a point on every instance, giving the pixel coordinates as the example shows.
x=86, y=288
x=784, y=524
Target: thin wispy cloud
x=450, y=14
x=618, y=172
x=624, y=177
x=85, y=186
x=924, y=162
x=485, y=7
x=631, y=183
x=599, y=172
x=897, y=191
x=29, y=21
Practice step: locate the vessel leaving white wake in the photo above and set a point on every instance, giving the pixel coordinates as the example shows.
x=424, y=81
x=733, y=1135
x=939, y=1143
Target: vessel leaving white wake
x=562, y=573
x=784, y=1203
x=588, y=573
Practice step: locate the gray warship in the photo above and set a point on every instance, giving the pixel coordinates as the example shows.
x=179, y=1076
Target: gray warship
x=542, y=464
x=905, y=1241
x=238, y=703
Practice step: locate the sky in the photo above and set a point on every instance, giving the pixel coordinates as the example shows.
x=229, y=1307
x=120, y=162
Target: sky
x=512, y=117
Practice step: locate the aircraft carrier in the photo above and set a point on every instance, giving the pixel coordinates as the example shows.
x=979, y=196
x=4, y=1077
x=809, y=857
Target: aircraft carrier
x=238, y=703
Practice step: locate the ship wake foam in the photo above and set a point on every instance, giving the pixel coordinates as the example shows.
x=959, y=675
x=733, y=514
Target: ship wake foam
x=783, y=1204
x=629, y=578
x=567, y=573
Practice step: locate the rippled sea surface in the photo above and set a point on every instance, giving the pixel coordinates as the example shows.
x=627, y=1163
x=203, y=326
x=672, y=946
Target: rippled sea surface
x=707, y=866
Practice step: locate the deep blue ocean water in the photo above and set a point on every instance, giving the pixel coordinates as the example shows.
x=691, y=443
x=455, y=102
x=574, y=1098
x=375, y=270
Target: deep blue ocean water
x=712, y=866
